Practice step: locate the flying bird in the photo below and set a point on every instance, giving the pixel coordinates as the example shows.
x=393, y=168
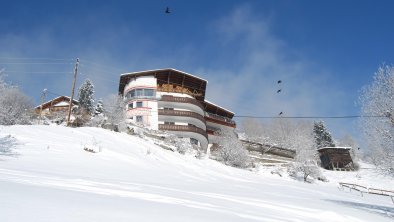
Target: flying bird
x=279, y=90
x=168, y=10
x=280, y=113
x=279, y=81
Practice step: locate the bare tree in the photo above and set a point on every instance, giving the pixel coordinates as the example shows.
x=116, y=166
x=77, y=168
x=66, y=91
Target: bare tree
x=15, y=107
x=115, y=111
x=377, y=105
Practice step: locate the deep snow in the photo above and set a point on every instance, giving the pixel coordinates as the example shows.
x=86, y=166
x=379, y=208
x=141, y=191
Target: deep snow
x=52, y=178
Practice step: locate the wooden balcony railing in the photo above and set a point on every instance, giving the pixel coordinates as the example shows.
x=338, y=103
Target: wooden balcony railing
x=167, y=112
x=183, y=128
x=219, y=119
x=167, y=98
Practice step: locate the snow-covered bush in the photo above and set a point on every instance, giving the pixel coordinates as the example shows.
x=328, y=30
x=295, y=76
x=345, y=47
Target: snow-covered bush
x=99, y=109
x=182, y=145
x=93, y=146
x=305, y=170
x=231, y=152
x=6, y=144
x=97, y=121
x=15, y=106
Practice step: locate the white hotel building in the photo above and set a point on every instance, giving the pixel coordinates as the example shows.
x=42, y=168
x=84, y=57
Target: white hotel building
x=174, y=101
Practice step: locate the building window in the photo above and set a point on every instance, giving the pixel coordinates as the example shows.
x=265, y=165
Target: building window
x=138, y=119
x=139, y=92
x=165, y=108
x=169, y=123
x=144, y=93
x=149, y=92
x=130, y=106
x=138, y=104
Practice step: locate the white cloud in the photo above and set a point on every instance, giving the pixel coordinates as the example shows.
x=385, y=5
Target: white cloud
x=263, y=59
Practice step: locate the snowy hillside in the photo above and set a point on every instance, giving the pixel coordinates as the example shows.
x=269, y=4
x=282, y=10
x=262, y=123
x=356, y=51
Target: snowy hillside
x=48, y=176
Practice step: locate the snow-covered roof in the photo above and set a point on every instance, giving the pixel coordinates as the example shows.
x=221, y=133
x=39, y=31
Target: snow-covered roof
x=57, y=104
x=158, y=70
x=337, y=147
x=219, y=106
x=62, y=103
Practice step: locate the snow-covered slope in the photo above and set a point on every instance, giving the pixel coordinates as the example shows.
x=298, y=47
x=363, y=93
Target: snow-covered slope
x=52, y=178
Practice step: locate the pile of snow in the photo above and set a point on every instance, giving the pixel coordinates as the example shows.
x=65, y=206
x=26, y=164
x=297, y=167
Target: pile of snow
x=128, y=178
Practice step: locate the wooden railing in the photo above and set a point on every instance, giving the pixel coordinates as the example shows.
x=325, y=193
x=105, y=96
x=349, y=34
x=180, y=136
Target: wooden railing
x=181, y=113
x=167, y=98
x=363, y=189
x=183, y=128
x=222, y=120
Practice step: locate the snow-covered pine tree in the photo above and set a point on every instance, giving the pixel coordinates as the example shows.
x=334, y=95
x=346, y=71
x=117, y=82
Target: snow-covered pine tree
x=99, y=109
x=322, y=135
x=85, y=97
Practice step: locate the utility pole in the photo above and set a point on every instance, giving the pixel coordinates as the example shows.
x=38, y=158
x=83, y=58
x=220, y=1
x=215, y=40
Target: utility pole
x=44, y=92
x=72, y=91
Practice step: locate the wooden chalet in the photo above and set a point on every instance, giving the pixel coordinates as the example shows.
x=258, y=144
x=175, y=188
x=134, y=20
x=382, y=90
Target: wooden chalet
x=55, y=106
x=336, y=158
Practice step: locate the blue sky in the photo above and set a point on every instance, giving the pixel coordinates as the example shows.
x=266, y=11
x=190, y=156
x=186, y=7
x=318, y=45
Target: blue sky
x=323, y=51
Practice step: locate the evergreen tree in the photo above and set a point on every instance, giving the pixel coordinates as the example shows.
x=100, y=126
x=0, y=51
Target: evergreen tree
x=322, y=136
x=85, y=96
x=99, y=107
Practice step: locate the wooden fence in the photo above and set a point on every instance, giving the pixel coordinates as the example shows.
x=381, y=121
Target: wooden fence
x=363, y=189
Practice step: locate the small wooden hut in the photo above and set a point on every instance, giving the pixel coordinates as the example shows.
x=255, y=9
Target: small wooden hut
x=336, y=158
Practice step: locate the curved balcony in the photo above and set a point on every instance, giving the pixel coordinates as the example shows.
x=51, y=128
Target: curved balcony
x=182, y=116
x=181, y=103
x=187, y=131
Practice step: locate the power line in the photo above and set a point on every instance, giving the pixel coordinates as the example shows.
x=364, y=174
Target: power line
x=307, y=117
x=53, y=59
x=101, y=66
x=37, y=72
x=49, y=92
x=34, y=63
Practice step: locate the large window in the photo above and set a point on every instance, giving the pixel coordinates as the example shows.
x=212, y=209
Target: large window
x=138, y=119
x=138, y=104
x=141, y=93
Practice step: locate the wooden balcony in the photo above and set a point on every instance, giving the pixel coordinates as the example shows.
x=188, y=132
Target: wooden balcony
x=183, y=128
x=220, y=120
x=166, y=112
x=167, y=98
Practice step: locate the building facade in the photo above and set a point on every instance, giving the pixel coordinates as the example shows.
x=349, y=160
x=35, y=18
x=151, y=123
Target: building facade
x=174, y=101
